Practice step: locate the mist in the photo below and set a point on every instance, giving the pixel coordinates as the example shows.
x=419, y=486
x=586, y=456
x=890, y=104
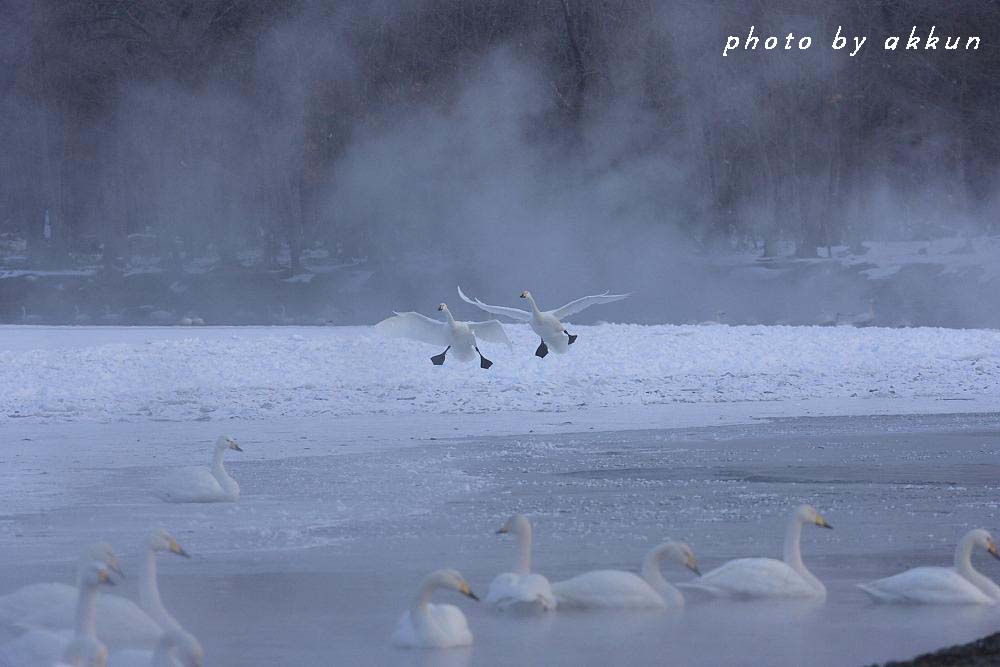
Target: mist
x=321, y=163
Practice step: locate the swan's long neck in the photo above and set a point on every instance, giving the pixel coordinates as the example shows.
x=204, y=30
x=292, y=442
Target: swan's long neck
x=419, y=607
x=524, y=548
x=963, y=563
x=534, y=306
x=149, y=595
x=217, y=460
x=85, y=603
x=449, y=316
x=651, y=573
x=793, y=553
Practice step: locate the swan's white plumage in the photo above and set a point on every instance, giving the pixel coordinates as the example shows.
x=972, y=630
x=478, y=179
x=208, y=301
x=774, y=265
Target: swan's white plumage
x=959, y=584
x=521, y=591
x=767, y=577
x=427, y=625
x=607, y=589
x=460, y=337
x=203, y=484
x=176, y=648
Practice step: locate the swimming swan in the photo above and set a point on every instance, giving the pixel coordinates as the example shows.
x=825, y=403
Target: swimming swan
x=767, y=577
x=176, y=648
x=427, y=625
x=203, y=485
x=459, y=337
x=521, y=591
x=615, y=589
x=960, y=584
x=22, y=603
x=79, y=648
x=547, y=324
x=120, y=622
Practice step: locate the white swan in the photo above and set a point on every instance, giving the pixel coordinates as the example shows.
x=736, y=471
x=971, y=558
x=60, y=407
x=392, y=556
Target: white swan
x=203, y=485
x=79, y=648
x=521, y=591
x=615, y=589
x=427, y=625
x=120, y=622
x=18, y=605
x=459, y=337
x=176, y=648
x=547, y=324
x=960, y=584
x=767, y=577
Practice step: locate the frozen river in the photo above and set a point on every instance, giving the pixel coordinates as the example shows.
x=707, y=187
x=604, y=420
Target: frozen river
x=335, y=529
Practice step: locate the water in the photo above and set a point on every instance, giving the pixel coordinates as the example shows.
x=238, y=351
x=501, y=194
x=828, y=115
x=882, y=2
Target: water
x=328, y=543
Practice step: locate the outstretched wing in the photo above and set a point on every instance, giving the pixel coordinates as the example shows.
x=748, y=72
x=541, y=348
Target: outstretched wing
x=490, y=331
x=513, y=313
x=574, y=307
x=417, y=327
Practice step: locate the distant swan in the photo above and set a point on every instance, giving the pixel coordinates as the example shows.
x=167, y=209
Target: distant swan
x=203, y=485
x=960, y=584
x=459, y=337
x=79, y=648
x=521, y=591
x=18, y=605
x=547, y=324
x=767, y=577
x=427, y=625
x=120, y=622
x=176, y=648
x=615, y=589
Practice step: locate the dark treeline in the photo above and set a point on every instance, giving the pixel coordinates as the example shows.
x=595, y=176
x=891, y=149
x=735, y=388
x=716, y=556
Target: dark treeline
x=257, y=125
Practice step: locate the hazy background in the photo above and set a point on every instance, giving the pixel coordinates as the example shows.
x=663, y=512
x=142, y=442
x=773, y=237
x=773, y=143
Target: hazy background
x=314, y=162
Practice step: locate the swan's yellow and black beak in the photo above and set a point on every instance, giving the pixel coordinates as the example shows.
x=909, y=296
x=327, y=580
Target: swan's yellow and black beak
x=233, y=445
x=464, y=590
x=821, y=522
x=992, y=548
x=524, y=295
x=104, y=577
x=176, y=548
x=503, y=530
x=115, y=567
x=692, y=565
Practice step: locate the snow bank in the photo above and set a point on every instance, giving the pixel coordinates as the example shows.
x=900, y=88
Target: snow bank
x=135, y=374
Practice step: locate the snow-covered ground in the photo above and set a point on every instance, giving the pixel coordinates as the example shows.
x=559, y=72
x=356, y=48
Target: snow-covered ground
x=365, y=467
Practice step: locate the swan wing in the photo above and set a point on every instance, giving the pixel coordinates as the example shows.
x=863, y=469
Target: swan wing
x=444, y=626
x=752, y=578
x=574, y=307
x=491, y=331
x=415, y=327
x=513, y=313
x=926, y=585
x=192, y=485
x=607, y=589
x=521, y=592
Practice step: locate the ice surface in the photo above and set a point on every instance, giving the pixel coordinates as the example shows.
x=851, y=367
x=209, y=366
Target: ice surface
x=346, y=506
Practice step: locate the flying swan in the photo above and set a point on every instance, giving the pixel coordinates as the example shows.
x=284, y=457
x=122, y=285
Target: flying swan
x=960, y=584
x=79, y=648
x=615, y=589
x=547, y=324
x=459, y=337
x=520, y=591
x=203, y=485
x=427, y=625
x=767, y=577
x=120, y=622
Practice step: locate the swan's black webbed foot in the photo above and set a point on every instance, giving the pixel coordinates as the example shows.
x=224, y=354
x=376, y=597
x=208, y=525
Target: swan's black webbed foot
x=483, y=361
x=572, y=337
x=438, y=359
x=542, y=350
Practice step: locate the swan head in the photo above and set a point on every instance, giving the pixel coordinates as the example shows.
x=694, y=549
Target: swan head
x=681, y=553
x=164, y=541
x=525, y=294
x=186, y=648
x=517, y=524
x=454, y=580
x=808, y=514
x=442, y=307
x=982, y=538
x=94, y=574
x=102, y=552
x=226, y=442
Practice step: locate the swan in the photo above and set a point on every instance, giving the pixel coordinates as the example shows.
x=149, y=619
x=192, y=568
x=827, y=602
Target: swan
x=203, y=485
x=176, y=648
x=614, y=589
x=547, y=324
x=767, y=577
x=959, y=584
x=459, y=337
x=120, y=622
x=521, y=591
x=427, y=625
x=79, y=648
x=16, y=606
